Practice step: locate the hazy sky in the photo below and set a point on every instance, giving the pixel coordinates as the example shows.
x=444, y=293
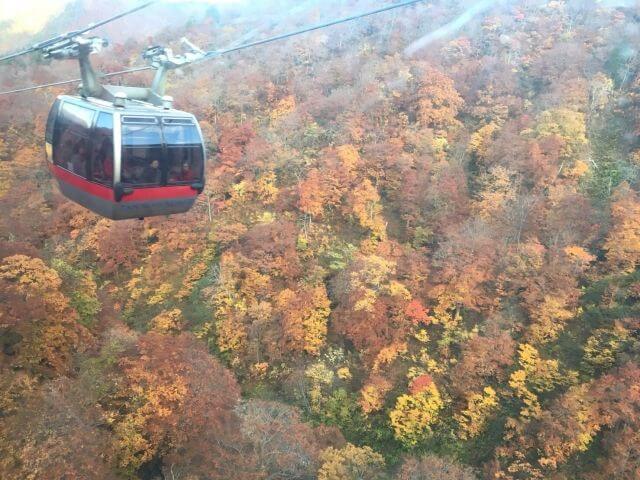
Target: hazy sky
x=31, y=15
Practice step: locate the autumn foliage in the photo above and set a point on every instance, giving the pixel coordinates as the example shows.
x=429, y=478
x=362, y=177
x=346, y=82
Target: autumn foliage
x=408, y=262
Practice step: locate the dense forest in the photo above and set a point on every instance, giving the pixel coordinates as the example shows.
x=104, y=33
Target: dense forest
x=416, y=256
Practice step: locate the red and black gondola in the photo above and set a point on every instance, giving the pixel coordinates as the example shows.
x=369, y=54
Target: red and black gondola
x=125, y=159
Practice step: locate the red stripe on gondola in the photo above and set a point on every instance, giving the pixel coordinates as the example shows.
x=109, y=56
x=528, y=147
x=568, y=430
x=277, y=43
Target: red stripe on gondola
x=91, y=188
x=160, y=193
x=138, y=195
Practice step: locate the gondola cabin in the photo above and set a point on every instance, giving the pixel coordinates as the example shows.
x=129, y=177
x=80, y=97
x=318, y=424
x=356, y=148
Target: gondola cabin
x=127, y=158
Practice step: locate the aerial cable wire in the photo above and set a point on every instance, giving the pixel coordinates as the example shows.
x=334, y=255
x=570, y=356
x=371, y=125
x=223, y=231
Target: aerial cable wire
x=272, y=22
x=216, y=53
x=77, y=80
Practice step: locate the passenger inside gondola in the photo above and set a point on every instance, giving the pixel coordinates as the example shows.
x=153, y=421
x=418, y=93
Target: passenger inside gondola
x=181, y=173
x=187, y=173
x=103, y=162
x=78, y=160
x=151, y=173
x=185, y=164
x=65, y=149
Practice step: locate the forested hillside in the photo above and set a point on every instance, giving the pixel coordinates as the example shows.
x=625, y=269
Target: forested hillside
x=406, y=264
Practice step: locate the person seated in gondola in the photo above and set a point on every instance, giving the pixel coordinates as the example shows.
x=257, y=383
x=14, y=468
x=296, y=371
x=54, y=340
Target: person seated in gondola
x=103, y=164
x=65, y=149
x=151, y=173
x=181, y=173
x=187, y=172
x=133, y=171
x=79, y=158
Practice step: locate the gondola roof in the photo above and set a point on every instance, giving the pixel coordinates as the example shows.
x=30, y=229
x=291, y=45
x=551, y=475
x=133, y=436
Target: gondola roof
x=131, y=107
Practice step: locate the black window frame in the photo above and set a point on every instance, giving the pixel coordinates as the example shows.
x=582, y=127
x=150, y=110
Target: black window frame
x=95, y=150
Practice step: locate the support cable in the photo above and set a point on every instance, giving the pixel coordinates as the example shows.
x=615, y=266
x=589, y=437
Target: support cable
x=217, y=53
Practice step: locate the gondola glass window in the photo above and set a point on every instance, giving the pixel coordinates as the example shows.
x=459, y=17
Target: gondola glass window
x=102, y=163
x=72, y=144
x=141, y=151
x=184, y=151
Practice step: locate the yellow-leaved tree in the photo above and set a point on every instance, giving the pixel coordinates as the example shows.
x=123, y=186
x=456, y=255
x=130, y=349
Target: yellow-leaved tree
x=535, y=376
x=568, y=126
x=237, y=299
x=365, y=206
x=481, y=140
x=304, y=319
x=439, y=100
x=373, y=393
x=414, y=413
x=480, y=406
x=168, y=321
x=39, y=314
x=351, y=463
x=496, y=191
